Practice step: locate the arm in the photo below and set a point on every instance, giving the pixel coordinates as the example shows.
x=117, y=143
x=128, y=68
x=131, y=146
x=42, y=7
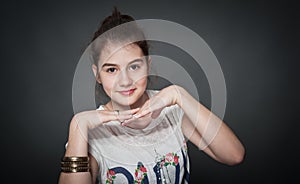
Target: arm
x=200, y=125
x=77, y=145
x=207, y=131
x=78, y=142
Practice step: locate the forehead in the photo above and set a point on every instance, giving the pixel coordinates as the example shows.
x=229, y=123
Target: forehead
x=118, y=54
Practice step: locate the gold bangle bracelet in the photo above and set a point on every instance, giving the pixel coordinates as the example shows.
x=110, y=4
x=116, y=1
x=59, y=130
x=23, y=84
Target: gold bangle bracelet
x=75, y=159
x=75, y=165
x=74, y=170
x=73, y=162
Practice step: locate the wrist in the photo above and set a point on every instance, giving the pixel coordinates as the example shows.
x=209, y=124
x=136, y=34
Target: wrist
x=78, y=139
x=78, y=123
x=179, y=91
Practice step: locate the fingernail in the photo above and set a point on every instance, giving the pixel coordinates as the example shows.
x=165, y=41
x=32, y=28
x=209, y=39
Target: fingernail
x=135, y=116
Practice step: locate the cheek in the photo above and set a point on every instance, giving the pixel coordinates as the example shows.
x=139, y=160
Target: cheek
x=140, y=77
x=142, y=81
x=108, y=84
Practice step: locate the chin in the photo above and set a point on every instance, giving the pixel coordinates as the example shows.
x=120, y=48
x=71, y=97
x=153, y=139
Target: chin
x=128, y=101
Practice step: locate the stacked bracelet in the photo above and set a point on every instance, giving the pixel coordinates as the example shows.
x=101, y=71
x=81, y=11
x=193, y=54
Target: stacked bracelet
x=75, y=164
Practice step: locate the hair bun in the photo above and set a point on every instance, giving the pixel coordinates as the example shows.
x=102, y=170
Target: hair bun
x=116, y=14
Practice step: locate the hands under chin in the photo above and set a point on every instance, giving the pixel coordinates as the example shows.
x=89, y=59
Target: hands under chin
x=153, y=107
x=141, y=121
x=138, y=122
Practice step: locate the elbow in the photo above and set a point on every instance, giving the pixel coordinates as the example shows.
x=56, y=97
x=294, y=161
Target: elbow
x=236, y=160
x=237, y=157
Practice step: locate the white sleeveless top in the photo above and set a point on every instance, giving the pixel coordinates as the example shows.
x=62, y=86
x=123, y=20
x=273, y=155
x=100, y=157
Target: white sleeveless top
x=156, y=154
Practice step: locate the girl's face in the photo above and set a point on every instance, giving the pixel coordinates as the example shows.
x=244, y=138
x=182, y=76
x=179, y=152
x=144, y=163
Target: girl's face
x=123, y=74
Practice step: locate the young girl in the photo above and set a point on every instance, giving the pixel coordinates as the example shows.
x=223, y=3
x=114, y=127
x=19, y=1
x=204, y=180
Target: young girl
x=140, y=135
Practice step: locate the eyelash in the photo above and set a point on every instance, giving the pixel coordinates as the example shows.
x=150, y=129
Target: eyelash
x=136, y=67
x=109, y=70
x=132, y=67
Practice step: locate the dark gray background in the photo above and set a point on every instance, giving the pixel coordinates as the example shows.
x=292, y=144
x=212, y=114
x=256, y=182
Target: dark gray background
x=256, y=43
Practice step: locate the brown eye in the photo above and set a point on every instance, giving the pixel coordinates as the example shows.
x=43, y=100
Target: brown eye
x=111, y=70
x=134, y=67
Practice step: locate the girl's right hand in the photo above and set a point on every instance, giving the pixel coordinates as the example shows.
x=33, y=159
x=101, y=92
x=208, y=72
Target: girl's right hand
x=94, y=118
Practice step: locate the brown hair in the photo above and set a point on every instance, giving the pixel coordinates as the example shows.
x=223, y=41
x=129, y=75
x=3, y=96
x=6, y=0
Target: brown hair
x=129, y=32
x=108, y=34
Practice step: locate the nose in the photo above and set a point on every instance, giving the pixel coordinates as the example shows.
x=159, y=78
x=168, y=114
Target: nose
x=124, y=79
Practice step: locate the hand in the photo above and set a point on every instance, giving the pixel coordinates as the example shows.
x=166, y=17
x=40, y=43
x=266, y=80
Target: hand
x=137, y=122
x=94, y=118
x=153, y=107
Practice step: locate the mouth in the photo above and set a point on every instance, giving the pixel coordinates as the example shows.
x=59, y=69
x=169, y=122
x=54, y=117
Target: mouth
x=127, y=92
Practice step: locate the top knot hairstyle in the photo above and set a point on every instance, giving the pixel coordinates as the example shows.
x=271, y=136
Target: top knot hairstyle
x=109, y=32
x=117, y=29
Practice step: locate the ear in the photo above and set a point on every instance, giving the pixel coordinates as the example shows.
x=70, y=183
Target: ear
x=95, y=71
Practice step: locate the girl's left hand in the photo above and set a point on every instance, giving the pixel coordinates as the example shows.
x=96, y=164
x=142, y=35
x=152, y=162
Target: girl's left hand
x=153, y=107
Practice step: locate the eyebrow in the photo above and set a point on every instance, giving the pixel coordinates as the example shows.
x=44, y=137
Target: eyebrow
x=112, y=64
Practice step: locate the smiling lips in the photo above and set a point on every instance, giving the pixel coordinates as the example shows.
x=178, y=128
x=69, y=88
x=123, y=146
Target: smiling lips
x=127, y=92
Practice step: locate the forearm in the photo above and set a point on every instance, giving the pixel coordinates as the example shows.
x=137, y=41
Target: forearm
x=214, y=132
x=77, y=146
x=77, y=141
x=75, y=178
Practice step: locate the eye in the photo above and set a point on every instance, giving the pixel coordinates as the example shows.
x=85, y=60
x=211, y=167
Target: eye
x=111, y=70
x=134, y=67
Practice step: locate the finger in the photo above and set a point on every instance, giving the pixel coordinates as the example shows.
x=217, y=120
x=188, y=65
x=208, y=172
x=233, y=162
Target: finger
x=123, y=112
x=140, y=123
x=131, y=124
x=120, y=118
x=142, y=113
x=153, y=104
x=131, y=120
x=135, y=119
x=112, y=116
x=131, y=111
x=125, y=115
x=116, y=115
x=156, y=113
x=128, y=121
